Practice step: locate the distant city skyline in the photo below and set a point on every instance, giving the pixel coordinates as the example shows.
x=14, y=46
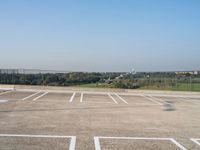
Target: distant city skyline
x=100, y=36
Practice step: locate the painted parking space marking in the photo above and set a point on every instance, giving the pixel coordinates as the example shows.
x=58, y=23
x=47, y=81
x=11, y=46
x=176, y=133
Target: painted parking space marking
x=3, y=101
x=31, y=95
x=121, y=98
x=40, y=96
x=5, y=92
x=159, y=100
x=98, y=145
x=99, y=102
x=94, y=98
x=196, y=141
x=111, y=97
x=153, y=99
x=187, y=99
x=81, y=99
x=72, y=97
x=150, y=98
x=72, y=141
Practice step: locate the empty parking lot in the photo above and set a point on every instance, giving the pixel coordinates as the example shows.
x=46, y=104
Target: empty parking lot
x=87, y=120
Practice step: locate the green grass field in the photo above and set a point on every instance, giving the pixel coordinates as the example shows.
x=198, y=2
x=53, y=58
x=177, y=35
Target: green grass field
x=178, y=87
x=96, y=85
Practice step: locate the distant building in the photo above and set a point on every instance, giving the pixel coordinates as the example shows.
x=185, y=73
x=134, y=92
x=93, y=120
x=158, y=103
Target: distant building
x=187, y=72
x=196, y=72
x=133, y=71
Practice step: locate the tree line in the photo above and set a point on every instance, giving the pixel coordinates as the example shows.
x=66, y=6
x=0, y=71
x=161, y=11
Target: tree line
x=116, y=80
x=59, y=79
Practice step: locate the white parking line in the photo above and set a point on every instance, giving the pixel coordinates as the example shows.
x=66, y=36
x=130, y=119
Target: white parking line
x=151, y=99
x=128, y=93
x=72, y=141
x=121, y=99
x=158, y=99
x=81, y=99
x=187, y=99
x=40, y=96
x=31, y=95
x=112, y=98
x=98, y=102
x=178, y=98
x=72, y=97
x=5, y=92
x=178, y=144
x=196, y=141
x=3, y=101
x=98, y=145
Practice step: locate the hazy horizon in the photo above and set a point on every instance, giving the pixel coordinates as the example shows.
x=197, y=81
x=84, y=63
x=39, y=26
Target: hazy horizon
x=100, y=36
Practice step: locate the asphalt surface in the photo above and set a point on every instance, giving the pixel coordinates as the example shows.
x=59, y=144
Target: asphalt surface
x=46, y=120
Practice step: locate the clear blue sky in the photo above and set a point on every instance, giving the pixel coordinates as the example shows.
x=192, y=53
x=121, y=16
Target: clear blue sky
x=103, y=35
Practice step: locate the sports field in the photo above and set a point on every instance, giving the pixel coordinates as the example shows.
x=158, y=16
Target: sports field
x=93, y=120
